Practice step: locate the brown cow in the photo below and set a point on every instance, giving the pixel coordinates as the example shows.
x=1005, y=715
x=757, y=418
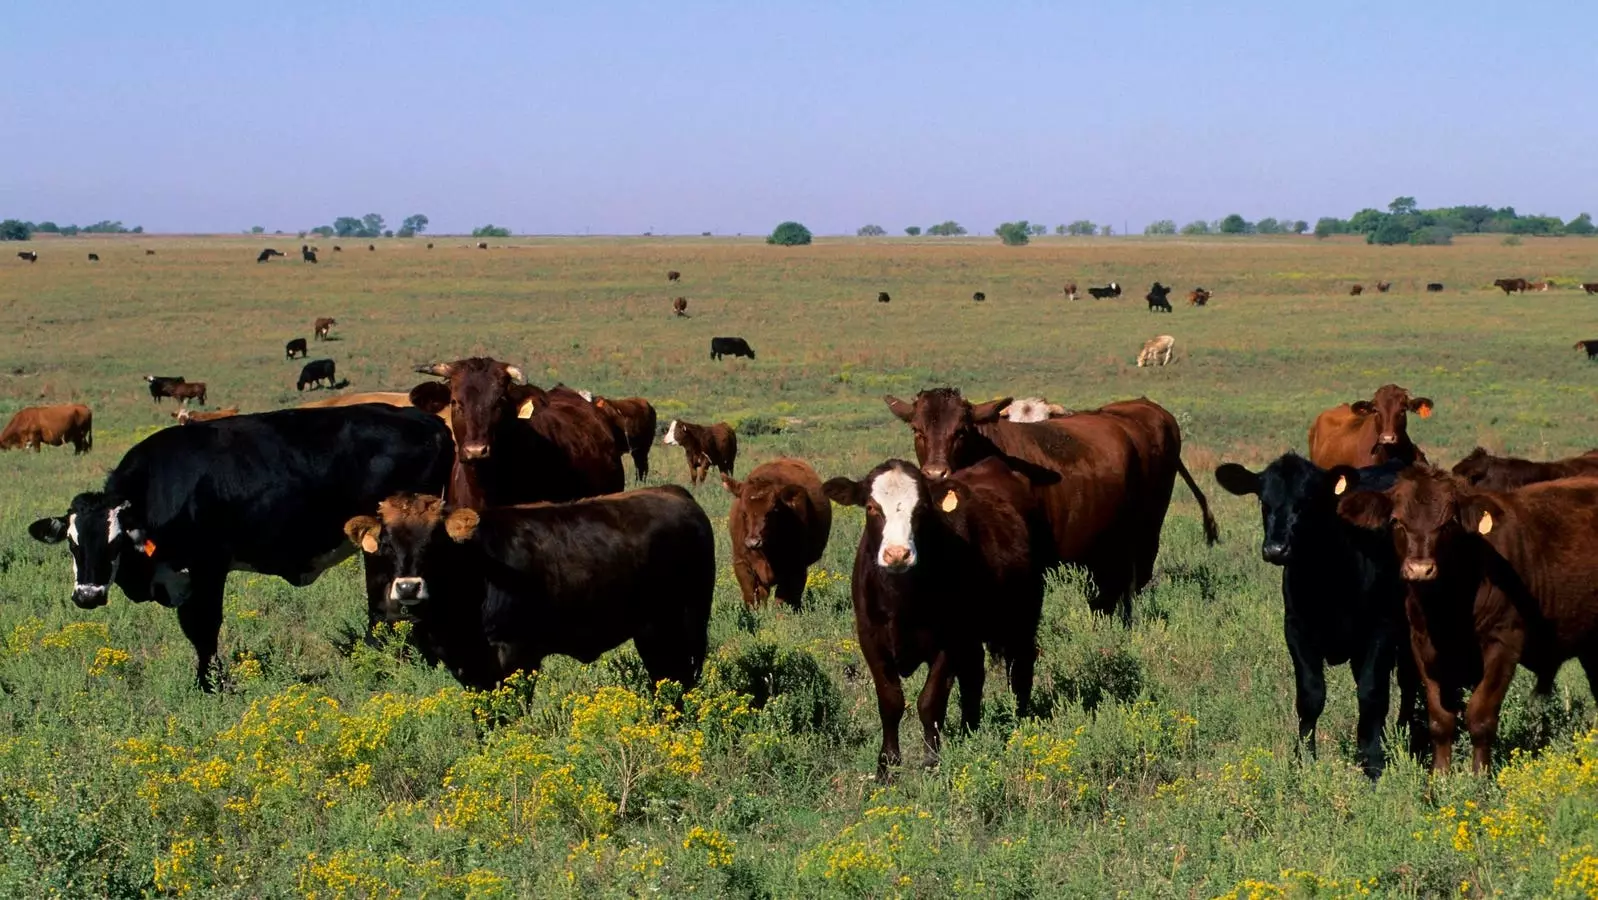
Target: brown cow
x=517, y=443
x=35, y=426
x=1198, y=297
x=1590, y=287
x=704, y=445
x=1070, y=290
x=1541, y=285
x=186, y=416
x=1368, y=432
x=1512, y=285
x=1494, y=579
x=779, y=523
x=673, y=275
x=633, y=421
x=680, y=306
x=1383, y=287
x=1356, y=290
x=188, y=390
x=1485, y=472
x=322, y=327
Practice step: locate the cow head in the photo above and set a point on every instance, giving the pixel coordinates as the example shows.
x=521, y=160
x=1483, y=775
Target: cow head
x=1391, y=406
x=1032, y=409
x=1473, y=468
x=769, y=513
x=1296, y=499
x=945, y=428
x=413, y=533
x=897, y=500
x=671, y=439
x=108, y=543
x=482, y=395
x=1432, y=514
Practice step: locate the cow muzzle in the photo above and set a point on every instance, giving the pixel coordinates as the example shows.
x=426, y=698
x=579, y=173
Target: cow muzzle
x=90, y=596
x=754, y=543
x=1275, y=554
x=473, y=452
x=1419, y=570
x=896, y=558
x=935, y=471
x=408, y=591
x=1387, y=438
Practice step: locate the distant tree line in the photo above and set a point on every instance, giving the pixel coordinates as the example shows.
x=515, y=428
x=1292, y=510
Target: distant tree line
x=18, y=230
x=1405, y=222
x=371, y=226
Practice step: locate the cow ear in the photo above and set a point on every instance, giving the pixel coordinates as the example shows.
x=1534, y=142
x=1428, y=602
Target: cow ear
x=461, y=524
x=526, y=398
x=1237, y=480
x=984, y=413
x=733, y=486
x=792, y=495
x=362, y=532
x=430, y=397
x=845, y=492
x=1421, y=405
x=1367, y=509
x=49, y=531
x=1056, y=411
x=1362, y=407
x=1004, y=413
x=1479, y=514
x=903, y=410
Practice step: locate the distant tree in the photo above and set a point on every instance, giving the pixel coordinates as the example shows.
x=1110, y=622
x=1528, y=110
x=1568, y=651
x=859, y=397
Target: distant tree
x=1082, y=228
x=1038, y=229
x=1392, y=230
x=137, y=229
x=412, y=226
x=1367, y=220
x=347, y=226
x=1300, y=226
x=1436, y=235
x=388, y=233
x=1059, y=229
x=325, y=231
x=257, y=229
x=371, y=225
x=106, y=226
x=1014, y=234
x=1402, y=206
x=870, y=231
x=1268, y=225
x=1580, y=225
x=1163, y=226
x=1234, y=224
x=913, y=231
x=490, y=231
x=950, y=228
x=69, y=230
x=1326, y=226
x=47, y=228
x=301, y=235
x=15, y=230
x=789, y=234
x=1106, y=230
x=1197, y=226
x=1536, y=225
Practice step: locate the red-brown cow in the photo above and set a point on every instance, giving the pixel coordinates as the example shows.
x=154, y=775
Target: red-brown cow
x=186, y=416
x=1199, y=297
x=1356, y=290
x=1383, y=287
x=1070, y=290
x=633, y=419
x=1494, y=579
x=35, y=426
x=680, y=306
x=188, y=390
x=322, y=326
x=1512, y=285
x=705, y=446
x=1368, y=432
x=1485, y=472
x=779, y=523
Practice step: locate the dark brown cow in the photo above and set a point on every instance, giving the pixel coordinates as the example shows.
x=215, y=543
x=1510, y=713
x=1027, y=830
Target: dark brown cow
x=779, y=523
x=1512, y=285
x=1383, y=287
x=322, y=326
x=882, y=297
x=1368, y=432
x=1590, y=287
x=979, y=296
x=516, y=443
x=149, y=253
x=673, y=275
x=1494, y=578
x=943, y=567
x=633, y=418
x=188, y=390
x=705, y=446
x=35, y=426
x=1070, y=290
x=1485, y=472
x=1198, y=297
x=1591, y=346
x=1434, y=287
x=680, y=306
x=1356, y=290
x=186, y=416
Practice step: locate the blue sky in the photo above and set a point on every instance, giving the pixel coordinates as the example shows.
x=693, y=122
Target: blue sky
x=729, y=117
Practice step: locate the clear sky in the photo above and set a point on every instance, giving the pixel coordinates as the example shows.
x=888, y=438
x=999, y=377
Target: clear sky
x=687, y=116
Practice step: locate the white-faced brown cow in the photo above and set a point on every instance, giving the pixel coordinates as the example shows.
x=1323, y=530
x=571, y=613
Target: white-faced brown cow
x=704, y=446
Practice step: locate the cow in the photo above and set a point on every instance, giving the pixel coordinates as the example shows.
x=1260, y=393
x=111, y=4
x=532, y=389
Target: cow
x=188, y=390
x=1103, y=293
x=1342, y=598
x=267, y=254
x=94, y=257
x=35, y=426
x=1485, y=472
x=1368, y=432
x=1512, y=285
x=704, y=446
x=882, y=297
x=314, y=373
x=633, y=427
x=1591, y=346
x=321, y=327
x=1494, y=578
x=680, y=306
x=515, y=442
x=1156, y=351
x=1590, y=287
x=372, y=247
x=161, y=385
x=1103, y=477
x=429, y=245
x=1070, y=290
x=266, y=493
x=942, y=567
x=1540, y=285
x=28, y=256
x=1356, y=290
x=1383, y=287
x=308, y=253
x=149, y=253
x=1032, y=409
x=1434, y=287
x=779, y=524
x=186, y=416
x=386, y=398
x=1198, y=297
x=979, y=296
x=482, y=245
x=730, y=346
x=1158, y=298
x=495, y=591
x=337, y=249
x=673, y=275
x=296, y=346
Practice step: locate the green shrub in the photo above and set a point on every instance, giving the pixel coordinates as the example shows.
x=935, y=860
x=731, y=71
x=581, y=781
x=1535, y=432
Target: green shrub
x=754, y=426
x=786, y=684
x=1014, y=234
x=789, y=234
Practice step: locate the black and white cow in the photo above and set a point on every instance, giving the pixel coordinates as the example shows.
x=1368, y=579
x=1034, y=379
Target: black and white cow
x=266, y=493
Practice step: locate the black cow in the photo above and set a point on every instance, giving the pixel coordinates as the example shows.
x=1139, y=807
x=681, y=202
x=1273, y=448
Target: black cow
x=161, y=385
x=267, y=493
x=730, y=346
x=1157, y=297
x=1105, y=293
x=1343, y=597
x=1434, y=286
x=296, y=346
x=882, y=297
x=307, y=253
x=267, y=254
x=979, y=296
x=94, y=257
x=28, y=256
x=315, y=372
x=371, y=246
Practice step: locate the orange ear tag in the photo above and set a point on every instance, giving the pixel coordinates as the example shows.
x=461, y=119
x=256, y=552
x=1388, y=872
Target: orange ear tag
x=1426, y=412
x=148, y=548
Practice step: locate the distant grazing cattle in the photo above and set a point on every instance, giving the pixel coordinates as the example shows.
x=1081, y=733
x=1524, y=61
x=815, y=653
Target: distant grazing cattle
x=929, y=547
x=1512, y=285
x=1485, y=472
x=979, y=296
x=1368, y=432
x=779, y=523
x=680, y=306
x=730, y=346
x=1032, y=409
x=296, y=347
x=494, y=592
x=1383, y=287
x=704, y=446
x=633, y=420
x=1494, y=578
x=673, y=275
x=314, y=373
x=1541, y=285
x=1343, y=600
x=161, y=385
x=321, y=327
x=429, y=246
x=517, y=443
x=35, y=426
x=371, y=246
x=267, y=254
x=1103, y=293
x=94, y=257
x=188, y=390
x=1070, y=290
x=28, y=256
x=149, y=253
x=1591, y=346
x=1156, y=351
x=1590, y=287
x=482, y=245
x=882, y=297
x=1434, y=287
x=1198, y=297
x=1158, y=298
x=1356, y=290
x=186, y=416
x=307, y=253
x=267, y=493
x=337, y=249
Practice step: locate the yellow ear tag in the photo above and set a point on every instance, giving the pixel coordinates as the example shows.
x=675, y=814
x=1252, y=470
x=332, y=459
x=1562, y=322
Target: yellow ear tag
x=148, y=548
x=525, y=411
x=1486, y=523
x=369, y=543
x=1340, y=486
x=950, y=501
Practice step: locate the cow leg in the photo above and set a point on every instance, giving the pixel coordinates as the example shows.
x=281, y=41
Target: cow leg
x=1589, y=664
x=746, y=583
x=641, y=464
x=790, y=589
x=972, y=674
x=933, y=704
x=890, y=710
x=200, y=617
x=1411, y=705
x=1309, y=676
x=1021, y=664
x=1481, y=712
x=1372, y=676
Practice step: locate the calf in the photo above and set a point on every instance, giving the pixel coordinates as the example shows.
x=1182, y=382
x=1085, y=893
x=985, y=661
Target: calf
x=680, y=306
x=979, y=296
x=28, y=256
x=314, y=373
x=673, y=275
x=267, y=254
x=1158, y=298
x=1485, y=472
x=1368, y=432
x=1198, y=297
x=1512, y=285
x=730, y=346
x=779, y=523
x=1383, y=287
x=704, y=446
x=1103, y=293
x=296, y=347
x=1434, y=287
x=1591, y=346
x=35, y=426
x=942, y=568
x=882, y=297
x=308, y=253
x=1356, y=290
x=633, y=424
x=1070, y=290
x=161, y=385
x=186, y=416
x=188, y=390
x=1342, y=598
x=1156, y=351
x=1494, y=578
x=495, y=591
x=322, y=326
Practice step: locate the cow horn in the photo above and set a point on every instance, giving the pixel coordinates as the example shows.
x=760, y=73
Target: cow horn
x=442, y=370
x=515, y=375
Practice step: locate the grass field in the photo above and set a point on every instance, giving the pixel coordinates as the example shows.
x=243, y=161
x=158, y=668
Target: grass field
x=1163, y=766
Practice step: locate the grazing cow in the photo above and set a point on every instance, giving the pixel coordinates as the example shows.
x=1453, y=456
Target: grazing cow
x=188, y=390
x=1485, y=472
x=161, y=385
x=1342, y=597
x=308, y=253
x=1103, y=293
x=429, y=245
x=314, y=373
x=296, y=346
x=94, y=257
x=673, y=275
x=337, y=249
x=517, y=443
x=1591, y=346
x=1158, y=298
x=149, y=253
x=1383, y=287
x=1590, y=287
x=267, y=254
x=1156, y=351
x=882, y=297
x=1356, y=290
x=1070, y=290
x=704, y=446
x=1541, y=285
x=266, y=493
x=680, y=306
x=28, y=256
x=979, y=296
x=943, y=567
x=35, y=426
x=482, y=245
x=495, y=591
x=1368, y=432
x=321, y=327
x=632, y=422
x=1494, y=578
x=779, y=523
x=1032, y=409
x=1512, y=285
x=371, y=247
x=186, y=416
x=1434, y=287
x=730, y=346
x=1198, y=297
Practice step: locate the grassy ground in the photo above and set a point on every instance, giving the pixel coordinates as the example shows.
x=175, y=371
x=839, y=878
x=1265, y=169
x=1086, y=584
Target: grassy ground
x=1163, y=768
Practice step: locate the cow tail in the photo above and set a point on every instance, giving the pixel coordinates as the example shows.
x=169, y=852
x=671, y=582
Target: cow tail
x=1212, y=531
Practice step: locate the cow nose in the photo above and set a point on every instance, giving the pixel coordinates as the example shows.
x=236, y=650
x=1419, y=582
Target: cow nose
x=409, y=591
x=88, y=596
x=1387, y=438
x=753, y=543
x=1420, y=570
x=935, y=470
x=896, y=557
x=474, y=451
x=1275, y=554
